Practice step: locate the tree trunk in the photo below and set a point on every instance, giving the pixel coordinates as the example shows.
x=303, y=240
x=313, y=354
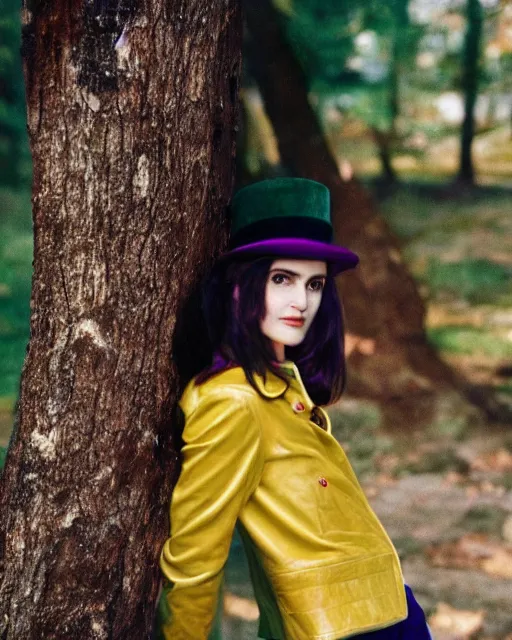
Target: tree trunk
x=389, y=357
x=470, y=81
x=131, y=115
x=384, y=141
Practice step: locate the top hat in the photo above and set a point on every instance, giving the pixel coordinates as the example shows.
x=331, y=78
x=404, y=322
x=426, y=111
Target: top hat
x=286, y=217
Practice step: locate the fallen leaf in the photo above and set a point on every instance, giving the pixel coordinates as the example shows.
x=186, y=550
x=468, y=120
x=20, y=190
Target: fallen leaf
x=464, y=553
x=387, y=462
x=413, y=456
x=500, y=460
x=499, y=564
x=385, y=480
x=237, y=607
x=472, y=491
x=455, y=621
x=452, y=477
x=473, y=551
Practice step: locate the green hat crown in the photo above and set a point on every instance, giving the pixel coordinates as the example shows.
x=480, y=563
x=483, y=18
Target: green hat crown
x=279, y=208
x=286, y=217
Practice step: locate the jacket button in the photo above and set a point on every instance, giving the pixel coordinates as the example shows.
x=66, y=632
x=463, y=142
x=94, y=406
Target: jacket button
x=298, y=406
x=323, y=482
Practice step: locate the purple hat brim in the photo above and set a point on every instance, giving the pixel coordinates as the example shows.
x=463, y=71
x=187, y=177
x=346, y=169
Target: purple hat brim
x=340, y=258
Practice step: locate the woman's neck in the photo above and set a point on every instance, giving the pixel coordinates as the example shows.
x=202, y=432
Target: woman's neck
x=279, y=351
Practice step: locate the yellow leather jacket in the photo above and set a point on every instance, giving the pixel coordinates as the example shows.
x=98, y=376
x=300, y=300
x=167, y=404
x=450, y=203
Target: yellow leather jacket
x=272, y=464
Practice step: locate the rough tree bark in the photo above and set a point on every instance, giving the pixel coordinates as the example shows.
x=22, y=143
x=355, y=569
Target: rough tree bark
x=470, y=82
x=131, y=111
x=389, y=357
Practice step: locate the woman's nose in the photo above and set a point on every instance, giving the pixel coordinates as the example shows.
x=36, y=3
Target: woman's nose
x=300, y=299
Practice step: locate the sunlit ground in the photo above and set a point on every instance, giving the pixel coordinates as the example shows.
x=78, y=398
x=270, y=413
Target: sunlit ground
x=436, y=161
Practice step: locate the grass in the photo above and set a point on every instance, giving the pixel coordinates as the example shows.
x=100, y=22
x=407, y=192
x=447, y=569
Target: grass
x=469, y=340
x=460, y=252
x=476, y=280
x=421, y=208
x=487, y=519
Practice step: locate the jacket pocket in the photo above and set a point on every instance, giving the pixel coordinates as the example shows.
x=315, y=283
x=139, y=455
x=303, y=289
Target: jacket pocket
x=344, y=599
x=341, y=585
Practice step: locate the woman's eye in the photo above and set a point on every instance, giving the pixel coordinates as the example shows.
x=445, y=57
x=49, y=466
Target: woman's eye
x=316, y=285
x=279, y=278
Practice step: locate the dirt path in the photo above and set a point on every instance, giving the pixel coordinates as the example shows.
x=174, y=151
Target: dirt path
x=464, y=525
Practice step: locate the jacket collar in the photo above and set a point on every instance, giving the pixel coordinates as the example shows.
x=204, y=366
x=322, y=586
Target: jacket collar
x=272, y=386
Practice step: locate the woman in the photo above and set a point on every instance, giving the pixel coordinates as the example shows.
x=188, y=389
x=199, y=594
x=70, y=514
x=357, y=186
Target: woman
x=258, y=451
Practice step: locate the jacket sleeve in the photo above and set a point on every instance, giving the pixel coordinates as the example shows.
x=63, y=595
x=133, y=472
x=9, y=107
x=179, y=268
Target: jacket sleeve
x=221, y=467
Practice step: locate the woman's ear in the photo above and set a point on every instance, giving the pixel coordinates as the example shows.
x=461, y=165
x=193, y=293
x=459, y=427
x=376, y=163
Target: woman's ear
x=236, y=292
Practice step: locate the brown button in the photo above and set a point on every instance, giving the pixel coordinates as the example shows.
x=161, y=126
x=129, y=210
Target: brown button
x=323, y=482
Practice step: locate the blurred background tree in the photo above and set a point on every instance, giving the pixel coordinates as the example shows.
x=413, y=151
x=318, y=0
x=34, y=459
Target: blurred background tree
x=359, y=63
x=403, y=75
x=381, y=300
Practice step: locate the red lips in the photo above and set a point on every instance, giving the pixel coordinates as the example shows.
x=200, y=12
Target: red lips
x=294, y=322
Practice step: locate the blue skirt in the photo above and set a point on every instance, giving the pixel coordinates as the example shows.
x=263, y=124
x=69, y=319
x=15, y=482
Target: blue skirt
x=414, y=627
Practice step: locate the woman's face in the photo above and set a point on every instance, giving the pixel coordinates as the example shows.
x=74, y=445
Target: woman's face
x=292, y=296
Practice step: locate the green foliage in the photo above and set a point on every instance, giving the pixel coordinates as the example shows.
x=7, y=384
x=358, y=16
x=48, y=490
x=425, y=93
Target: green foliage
x=3, y=454
x=426, y=211
x=356, y=56
x=386, y=17
x=15, y=165
x=371, y=104
x=15, y=285
x=386, y=64
x=321, y=34
x=475, y=280
x=12, y=353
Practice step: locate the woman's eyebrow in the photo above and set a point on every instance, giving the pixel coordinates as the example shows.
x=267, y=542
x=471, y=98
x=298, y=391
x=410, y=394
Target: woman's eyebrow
x=293, y=273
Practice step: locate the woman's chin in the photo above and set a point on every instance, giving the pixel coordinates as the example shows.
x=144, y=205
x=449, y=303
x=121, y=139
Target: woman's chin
x=293, y=343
